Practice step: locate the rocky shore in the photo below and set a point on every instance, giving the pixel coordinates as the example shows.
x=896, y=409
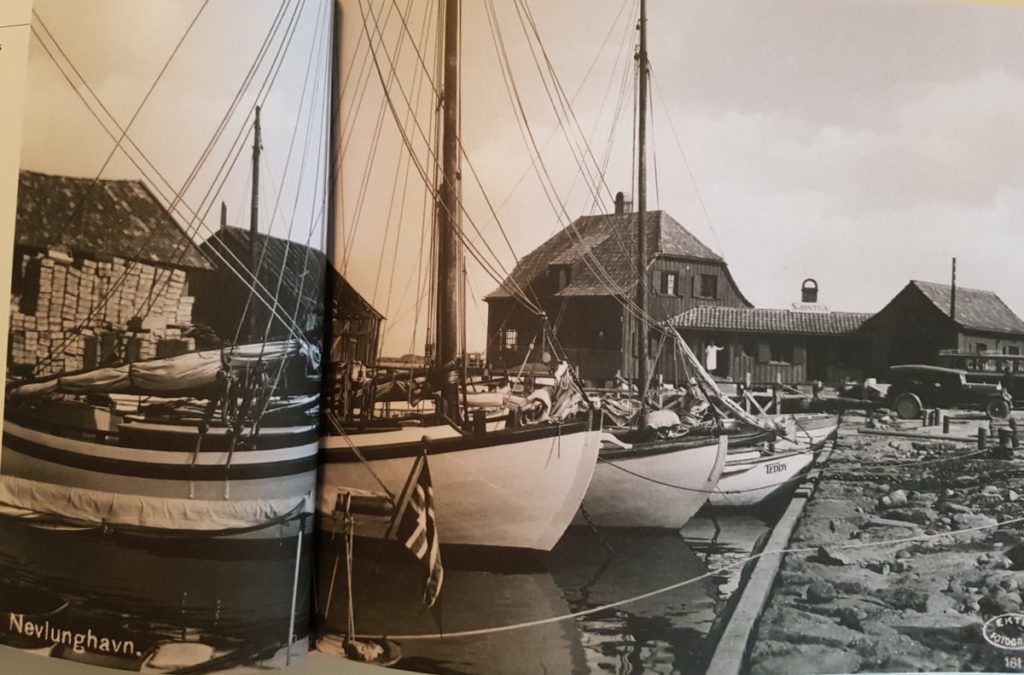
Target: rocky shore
x=903, y=562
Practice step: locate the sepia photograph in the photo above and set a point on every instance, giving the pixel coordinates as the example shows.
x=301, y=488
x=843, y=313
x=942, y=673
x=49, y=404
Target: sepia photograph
x=684, y=337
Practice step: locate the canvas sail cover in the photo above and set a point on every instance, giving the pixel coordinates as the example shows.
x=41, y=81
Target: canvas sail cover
x=177, y=375
x=30, y=499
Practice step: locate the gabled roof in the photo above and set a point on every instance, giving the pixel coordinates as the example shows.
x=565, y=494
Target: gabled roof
x=303, y=266
x=605, y=242
x=739, y=319
x=101, y=218
x=975, y=309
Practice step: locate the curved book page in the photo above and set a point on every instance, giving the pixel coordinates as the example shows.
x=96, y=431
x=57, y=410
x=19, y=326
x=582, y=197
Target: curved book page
x=165, y=337
x=675, y=337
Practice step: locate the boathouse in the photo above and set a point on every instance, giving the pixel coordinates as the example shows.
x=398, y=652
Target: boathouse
x=581, y=277
x=791, y=345
x=289, y=288
x=299, y=277
x=926, y=317
x=102, y=273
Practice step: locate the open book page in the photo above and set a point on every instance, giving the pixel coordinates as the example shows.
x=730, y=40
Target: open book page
x=679, y=337
x=166, y=315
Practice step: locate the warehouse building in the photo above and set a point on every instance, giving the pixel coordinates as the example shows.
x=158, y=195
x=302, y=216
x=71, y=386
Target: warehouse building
x=102, y=274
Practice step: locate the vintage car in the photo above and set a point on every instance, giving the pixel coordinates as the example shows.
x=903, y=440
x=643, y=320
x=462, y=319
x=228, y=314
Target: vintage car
x=916, y=387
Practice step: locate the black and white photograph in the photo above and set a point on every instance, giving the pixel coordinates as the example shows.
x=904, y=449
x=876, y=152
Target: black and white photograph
x=509, y=337
x=166, y=320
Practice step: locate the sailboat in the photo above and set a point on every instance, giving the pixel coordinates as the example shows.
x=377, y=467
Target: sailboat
x=206, y=443
x=517, y=487
x=642, y=481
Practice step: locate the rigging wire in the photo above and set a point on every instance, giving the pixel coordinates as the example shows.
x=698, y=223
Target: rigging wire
x=476, y=177
x=477, y=255
x=686, y=163
x=135, y=115
x=177, y=200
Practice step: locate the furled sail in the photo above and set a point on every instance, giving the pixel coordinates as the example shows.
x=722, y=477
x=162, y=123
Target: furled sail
x=177, y=375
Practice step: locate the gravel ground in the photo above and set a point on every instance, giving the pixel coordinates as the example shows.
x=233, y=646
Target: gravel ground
x=859, y=604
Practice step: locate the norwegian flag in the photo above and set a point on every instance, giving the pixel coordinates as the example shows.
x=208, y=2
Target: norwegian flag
x=417, y=527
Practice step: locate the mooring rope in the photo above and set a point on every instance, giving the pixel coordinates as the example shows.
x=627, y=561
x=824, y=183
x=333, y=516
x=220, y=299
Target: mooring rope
x=796, y=478
x=671, y=587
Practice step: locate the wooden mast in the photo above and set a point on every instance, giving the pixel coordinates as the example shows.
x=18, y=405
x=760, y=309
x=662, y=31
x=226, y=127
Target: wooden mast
x=448, y=277
x=254, y=219
x=640, y=337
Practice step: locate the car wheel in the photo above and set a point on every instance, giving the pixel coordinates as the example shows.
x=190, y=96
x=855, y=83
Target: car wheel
x=908, y=406
x=998, y=408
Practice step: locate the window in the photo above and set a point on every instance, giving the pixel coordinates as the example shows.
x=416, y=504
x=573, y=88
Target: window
x=706, y=286
x=669, y=283
x=781, y=350
x=749, y=345
x=510, y=340
x=1013, y=351
x=980, y=347
x=561, y=275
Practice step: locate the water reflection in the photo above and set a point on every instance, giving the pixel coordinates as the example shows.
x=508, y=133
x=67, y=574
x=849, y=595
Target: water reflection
x=234, y=597
x=665, y=633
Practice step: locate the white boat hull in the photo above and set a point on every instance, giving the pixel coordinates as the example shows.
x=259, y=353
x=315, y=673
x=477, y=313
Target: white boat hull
x=749, y=479
x=809, y=429
x=517, y=488
x=653, y=484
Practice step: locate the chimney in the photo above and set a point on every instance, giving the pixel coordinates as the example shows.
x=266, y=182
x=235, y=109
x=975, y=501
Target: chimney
x=623, y=204
x=809, y=291
x=952, y=294
x=223, y=215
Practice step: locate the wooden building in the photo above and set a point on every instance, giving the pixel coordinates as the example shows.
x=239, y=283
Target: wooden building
x=581, y=277
x=355, y=324
x=927, y=317
x=102, y=274
x=795, y=345
x=290, y=279
x=300, y=278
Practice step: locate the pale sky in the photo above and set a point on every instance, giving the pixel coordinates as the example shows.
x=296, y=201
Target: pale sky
x=860, y=142
x=120, y=46
x=864, y=143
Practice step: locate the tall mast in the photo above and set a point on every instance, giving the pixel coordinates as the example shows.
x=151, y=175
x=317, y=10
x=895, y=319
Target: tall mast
x=641, y=219
x=254, y=220
x=448, y=277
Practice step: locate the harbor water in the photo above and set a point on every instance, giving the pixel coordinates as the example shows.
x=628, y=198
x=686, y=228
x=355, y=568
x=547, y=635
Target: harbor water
x=542, y=619
x=138, y=594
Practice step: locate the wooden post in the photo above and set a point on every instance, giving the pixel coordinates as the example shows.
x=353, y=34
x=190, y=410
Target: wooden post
x=982, y=438
x=295, y=586
x=945, y=425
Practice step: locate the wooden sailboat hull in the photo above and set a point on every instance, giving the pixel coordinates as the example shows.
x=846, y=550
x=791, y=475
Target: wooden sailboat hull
x=750, y=480
x=660, y=484
x=809, y=429
x=515, y=488
x=162, y=485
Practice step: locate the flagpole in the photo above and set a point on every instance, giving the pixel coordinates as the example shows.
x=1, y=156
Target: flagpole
x=406, y=493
